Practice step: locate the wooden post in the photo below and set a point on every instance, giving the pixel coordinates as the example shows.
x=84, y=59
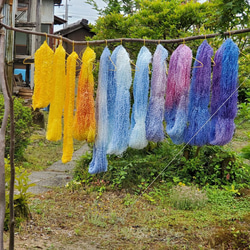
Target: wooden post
x=38, y=23
x=2, y=131
x=10, y=45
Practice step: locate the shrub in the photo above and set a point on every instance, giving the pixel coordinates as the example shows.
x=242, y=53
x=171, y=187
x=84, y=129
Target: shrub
x=23, y=127
x=136, y=169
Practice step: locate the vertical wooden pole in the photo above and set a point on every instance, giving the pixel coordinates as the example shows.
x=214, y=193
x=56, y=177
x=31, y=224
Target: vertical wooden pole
x=12, y=175
x=10, y=45
x=38, y=23
x=2, y=131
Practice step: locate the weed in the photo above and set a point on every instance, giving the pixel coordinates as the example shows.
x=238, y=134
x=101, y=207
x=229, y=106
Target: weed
x=128, y=200
x=21, y=198
x=187, y=197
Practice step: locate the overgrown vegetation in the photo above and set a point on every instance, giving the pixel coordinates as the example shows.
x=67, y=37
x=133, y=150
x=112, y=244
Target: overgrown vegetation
x=136, y=169
x=83, y=218
x=23, y=127
x=21, y=197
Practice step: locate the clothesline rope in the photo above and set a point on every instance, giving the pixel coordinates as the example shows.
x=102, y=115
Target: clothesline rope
x=106, y=41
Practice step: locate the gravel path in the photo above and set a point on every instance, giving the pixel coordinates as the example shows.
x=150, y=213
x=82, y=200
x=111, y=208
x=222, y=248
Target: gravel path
x=57, y=175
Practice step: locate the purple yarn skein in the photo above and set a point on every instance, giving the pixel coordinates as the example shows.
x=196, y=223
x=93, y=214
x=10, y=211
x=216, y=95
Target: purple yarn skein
x=176, y=105
x=199, y=96
x=155, y=111
x=225, y=81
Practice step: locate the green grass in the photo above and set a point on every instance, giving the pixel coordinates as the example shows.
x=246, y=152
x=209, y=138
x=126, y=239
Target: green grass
x=109, y=221
x=93, y=215
x=41, y=153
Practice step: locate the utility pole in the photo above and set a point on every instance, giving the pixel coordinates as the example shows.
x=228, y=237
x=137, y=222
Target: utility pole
x=66, y=14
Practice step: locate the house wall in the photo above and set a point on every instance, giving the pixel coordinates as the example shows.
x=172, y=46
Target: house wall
x=47, y=12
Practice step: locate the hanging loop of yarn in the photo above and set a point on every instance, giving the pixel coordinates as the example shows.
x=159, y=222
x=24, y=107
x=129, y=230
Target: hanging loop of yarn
x=199, y=96
x=140, y=92
x=176, y=105
x=225, y=81
x=43, y=75
x=99, y=161
x=54, y=130
x=68, y=148
x=121, y=113
x=155, y=111
x=84, y=120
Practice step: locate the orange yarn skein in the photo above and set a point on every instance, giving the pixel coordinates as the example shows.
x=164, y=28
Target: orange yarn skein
x=84, y=121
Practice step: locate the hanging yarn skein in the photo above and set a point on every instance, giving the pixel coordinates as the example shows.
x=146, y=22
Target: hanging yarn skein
x=199, y=96
x=176, y=105
x=99, y=161
x=120, y=133
x=111, y=92
x=43, y=76
x=155, y=111
x=68, y=148
x=84, y=121
x=54, y=131
x=224, y=85
x=140, y=91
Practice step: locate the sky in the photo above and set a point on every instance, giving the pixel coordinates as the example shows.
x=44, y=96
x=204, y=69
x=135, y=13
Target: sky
x=77, y=10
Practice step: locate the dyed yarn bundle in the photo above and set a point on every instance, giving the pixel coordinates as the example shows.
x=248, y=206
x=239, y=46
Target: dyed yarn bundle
x=69, y=108
x=155, y=112
x=43, y=91
x=176, y=105
x=111, y=92
x=197, y=133
x=120, y=130
x=186, y=110
x=99, y=161
x=224, y=94
x=84, y=121
x=54, y=131
x=140, y=92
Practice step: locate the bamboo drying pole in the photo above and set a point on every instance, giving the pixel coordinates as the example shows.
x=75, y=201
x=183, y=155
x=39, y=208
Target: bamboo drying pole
x=97, y=42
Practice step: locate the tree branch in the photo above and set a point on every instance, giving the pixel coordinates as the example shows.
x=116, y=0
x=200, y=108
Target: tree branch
x=97, y=42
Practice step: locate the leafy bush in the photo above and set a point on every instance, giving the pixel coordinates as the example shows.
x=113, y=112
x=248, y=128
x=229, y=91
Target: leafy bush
x=21, y=198
x=245, y=151
x=23, y=127
x=136, y=169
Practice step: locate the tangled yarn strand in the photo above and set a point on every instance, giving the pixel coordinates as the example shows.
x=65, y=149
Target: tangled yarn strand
x=120, y=133
x=140, y=91
x=99, y=162
x=199, y=96
x=155, y=111
x=176, y=105
x=225, y=81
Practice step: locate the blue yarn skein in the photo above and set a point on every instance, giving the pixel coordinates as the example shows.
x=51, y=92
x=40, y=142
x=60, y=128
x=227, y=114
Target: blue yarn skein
x=99, y=161
x=137, y=138
x=199, y=96
x=111, y=92
x=121, y=123
x=155, y=112
x=225, y=81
